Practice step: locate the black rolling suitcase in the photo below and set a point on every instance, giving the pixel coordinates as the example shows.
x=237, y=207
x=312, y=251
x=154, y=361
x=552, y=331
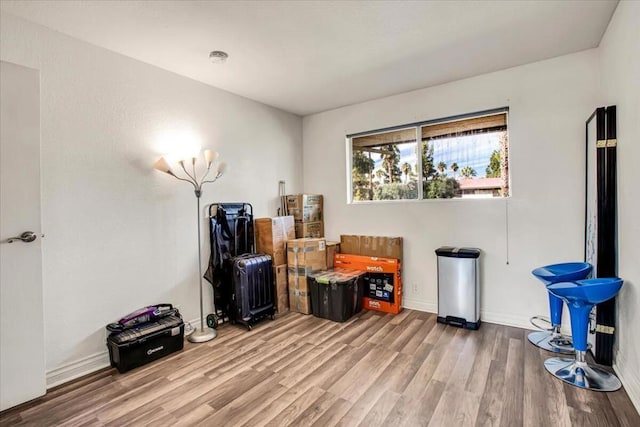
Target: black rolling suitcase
x=242, y=286
x=253, y=296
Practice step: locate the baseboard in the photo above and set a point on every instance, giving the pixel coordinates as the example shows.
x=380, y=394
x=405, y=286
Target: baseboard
x=506, y=319
x=86, y=366
x=485, y=316
x=630, y=379
x=77, y=369
x=428, y=307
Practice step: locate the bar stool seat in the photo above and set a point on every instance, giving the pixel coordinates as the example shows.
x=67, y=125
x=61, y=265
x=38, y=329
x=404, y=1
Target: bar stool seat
x=551, y=339
x=580, y=297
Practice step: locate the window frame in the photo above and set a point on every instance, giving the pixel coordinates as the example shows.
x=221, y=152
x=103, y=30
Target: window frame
x=417, y=126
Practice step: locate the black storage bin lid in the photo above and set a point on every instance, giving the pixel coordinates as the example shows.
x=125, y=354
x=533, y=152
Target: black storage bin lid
x=335, y=276
x=452, y=252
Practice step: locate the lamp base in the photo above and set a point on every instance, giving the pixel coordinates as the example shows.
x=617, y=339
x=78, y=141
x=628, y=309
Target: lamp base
x=202, y=335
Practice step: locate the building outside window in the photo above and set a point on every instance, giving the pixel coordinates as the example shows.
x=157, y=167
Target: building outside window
x=465, y=157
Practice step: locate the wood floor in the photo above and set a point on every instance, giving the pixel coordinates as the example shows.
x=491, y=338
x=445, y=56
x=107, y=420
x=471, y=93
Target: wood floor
x=374, y=370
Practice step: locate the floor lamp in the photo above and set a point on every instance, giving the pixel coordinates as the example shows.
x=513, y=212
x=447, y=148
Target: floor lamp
x=204, y=334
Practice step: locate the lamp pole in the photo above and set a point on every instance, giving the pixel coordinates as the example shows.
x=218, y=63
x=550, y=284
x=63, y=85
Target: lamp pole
x=203, y=334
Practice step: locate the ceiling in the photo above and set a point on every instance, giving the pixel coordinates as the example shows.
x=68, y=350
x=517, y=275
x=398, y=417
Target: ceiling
x=310, y=56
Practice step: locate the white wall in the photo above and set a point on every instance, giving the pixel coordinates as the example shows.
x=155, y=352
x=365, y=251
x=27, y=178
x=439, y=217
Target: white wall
x=549, y=102
x=120, y=235
x=620, y=70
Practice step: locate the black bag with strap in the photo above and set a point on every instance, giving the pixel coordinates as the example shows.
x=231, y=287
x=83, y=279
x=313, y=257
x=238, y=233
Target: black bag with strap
x=231, y=234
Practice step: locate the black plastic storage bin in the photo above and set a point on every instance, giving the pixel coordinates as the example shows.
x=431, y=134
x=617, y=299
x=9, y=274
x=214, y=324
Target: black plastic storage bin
x=336, y=294
x=145, y=343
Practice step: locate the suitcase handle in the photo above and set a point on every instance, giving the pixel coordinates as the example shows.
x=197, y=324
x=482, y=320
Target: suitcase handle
x=236, y=242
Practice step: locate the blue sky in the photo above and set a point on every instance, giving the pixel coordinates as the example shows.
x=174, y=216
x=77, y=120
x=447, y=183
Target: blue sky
x=471, y=150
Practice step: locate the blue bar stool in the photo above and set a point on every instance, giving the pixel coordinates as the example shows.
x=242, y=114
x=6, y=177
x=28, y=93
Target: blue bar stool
x=580, y=297
x=551, y=339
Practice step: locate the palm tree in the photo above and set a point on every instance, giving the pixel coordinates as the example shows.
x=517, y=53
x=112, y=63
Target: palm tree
x=381, y=174
x=468, y=172
x=454, y=167
x=390, y=160
x=406, y=168
x=442, y=166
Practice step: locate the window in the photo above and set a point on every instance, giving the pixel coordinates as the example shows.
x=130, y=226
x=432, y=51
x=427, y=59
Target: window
x=462, y=157
x=384, y=166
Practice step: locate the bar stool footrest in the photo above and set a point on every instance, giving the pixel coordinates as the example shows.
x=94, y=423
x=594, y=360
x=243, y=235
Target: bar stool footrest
x=535, y=319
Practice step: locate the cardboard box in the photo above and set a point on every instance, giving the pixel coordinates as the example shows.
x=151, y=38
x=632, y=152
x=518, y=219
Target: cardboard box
x=306, y=255
x=305, y=207
x=309, y=229
x=272, y=235
x=382, y=281
x=282, y=289
x=296, y=280
x=300, y=301
x=332, y=249
x=303, y=257
x=373, y=246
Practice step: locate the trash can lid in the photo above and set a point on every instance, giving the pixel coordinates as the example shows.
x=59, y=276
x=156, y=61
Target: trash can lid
x=453, y=252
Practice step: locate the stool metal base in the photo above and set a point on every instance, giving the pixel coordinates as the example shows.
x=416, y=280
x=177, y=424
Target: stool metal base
x=582, y=375
x=560, y=344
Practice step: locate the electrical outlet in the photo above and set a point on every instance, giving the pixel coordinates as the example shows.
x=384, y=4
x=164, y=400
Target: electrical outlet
x=414, y=288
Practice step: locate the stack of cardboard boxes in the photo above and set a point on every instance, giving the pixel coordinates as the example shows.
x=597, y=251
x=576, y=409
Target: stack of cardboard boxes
x=272, y=235
x=294, y=259
x=305, y=256
x=297, y=246
x=306, y=209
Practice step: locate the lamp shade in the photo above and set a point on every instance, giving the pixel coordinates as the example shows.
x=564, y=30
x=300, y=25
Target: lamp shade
x=210, y=157
x=221, y=168
x=163, y=166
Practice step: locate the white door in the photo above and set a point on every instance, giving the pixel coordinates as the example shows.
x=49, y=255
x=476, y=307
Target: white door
x=22, y=360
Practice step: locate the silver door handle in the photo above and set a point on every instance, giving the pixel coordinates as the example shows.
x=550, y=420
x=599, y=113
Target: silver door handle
x=27, y=237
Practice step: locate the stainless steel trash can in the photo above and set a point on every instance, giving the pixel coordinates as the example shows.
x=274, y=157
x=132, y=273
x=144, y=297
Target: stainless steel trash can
x=459, y=286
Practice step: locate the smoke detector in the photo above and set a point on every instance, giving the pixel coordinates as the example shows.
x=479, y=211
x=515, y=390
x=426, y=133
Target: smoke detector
x=218, y=56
